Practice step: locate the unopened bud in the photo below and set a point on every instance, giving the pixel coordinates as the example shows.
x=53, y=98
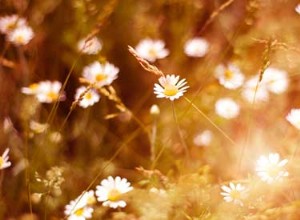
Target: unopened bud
x=154, y=110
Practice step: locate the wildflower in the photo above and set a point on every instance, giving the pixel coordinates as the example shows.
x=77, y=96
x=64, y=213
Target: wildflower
x=80, y=208
x=170, y=87
x=151, y=50
x=11, y=22
x=89, y=98
x=110, y=191
x=275, y=80
x=89, y=45
x=21, y=35
x=297, y=8
x=4, y=163
x=270, y=168
x=294, y=117
x=196, y=47
x=234, y=193
x=230, y=76
x=252, y=89
x=203, y=139
x=49, y=92
x=227, y=108
x=100, y=74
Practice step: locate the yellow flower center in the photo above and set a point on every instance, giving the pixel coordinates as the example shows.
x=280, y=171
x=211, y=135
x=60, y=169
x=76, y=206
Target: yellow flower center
x=152, y=52
x=88, y=95
x=91, y=200
x=273, y=171
x=100, y=77
x=20, y=39
x=228, y=74
x=114, y=195
x=234, y=194
x=52, y=95
x=79, y=212
x=1, y=161
x=170, y=90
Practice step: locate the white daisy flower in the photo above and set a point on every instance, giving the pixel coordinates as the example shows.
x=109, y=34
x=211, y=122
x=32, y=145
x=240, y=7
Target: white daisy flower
x=90, y=97
x=89, y=46
x=294, y=117
x=203, y=139
x=11, y=22
x=234, y=193
x=276, y=80
x=80, y=208
x=48, y=92
x=297, y=8
x=227, y=108
x=151, y=50
x=4, y=163
x=196, y=47
x=270, y=168
x=170, y=87
x=21, y=35
x=230, y=76
x=100, y=74
x=249, y=91
x=110, y=191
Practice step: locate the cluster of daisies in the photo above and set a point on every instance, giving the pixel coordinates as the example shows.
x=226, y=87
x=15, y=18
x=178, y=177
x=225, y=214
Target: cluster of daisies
x=16, y=29
x=110, y=192
x=269, y=168
x=96, y=74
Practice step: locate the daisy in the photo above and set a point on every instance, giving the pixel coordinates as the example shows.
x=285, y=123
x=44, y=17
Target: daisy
x=151, y=50
x=100, y=74
x=270, y=168
x=196, y=47
x=250, y=90
x=4, y=163
x=294, y=117
x=203, y=139
x=11, y=22
x=110, y=191
x=80, y=208
x=170, y=87
x=297, y=8
x=276, y=80
x=49, y=92
x=21, y=35
x=227, y=108
x=89, y=45
x=234, y=193
x=229, y=76
x=89, y=98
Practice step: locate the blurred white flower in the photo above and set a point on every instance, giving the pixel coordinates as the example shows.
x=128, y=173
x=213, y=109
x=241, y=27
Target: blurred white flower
x=21, y=35
x=49, y=92
x=297, y=8
x=33, y=89
x=4, y=162
x=227, y=108
x=196, y=47
x=11, y=22
x=275, y=80
x=270, y=168
x=100, y=74
x=234, y=193
x=229, y=76
x=151, y=50
x=294, y=117
x=110, y=191
x=88, y=99
x=160, y=192
x=89, y=46
x=170, y=87
x=38, y=127
x=203, y=139
x=249, y=91
x=80, y=208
